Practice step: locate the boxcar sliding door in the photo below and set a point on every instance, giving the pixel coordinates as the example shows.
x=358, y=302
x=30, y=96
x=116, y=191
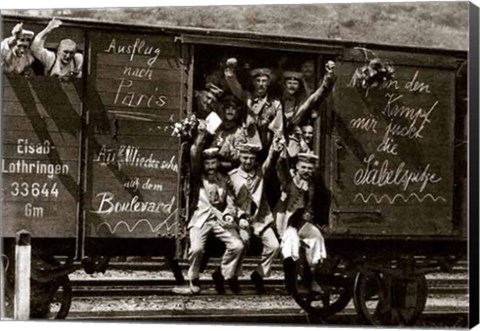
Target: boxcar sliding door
x=136, y=92
x=392, y=146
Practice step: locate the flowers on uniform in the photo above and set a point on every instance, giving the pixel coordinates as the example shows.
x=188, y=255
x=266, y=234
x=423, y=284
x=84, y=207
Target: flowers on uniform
x=185, y=127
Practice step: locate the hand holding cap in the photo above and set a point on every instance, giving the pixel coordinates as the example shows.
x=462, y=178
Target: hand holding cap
x=329, y=66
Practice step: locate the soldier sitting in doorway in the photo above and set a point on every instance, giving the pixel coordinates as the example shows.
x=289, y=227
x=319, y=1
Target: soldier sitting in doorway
x=294, y=217
x=214, y=213
x=17, y=57
x=254, y=213
x=66, y=63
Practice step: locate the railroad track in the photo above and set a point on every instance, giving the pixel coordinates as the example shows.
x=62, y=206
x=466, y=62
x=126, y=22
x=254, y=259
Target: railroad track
x=161, y=263
x=142, y=287
x=104, y=297
x=156, y=282
x=271, y=316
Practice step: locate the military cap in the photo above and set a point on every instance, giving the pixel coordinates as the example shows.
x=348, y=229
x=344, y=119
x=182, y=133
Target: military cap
x=26, y=34
x=292, y=74
x=261, y=72
x=249, y=148
x=214, y=89
x=231, y=100
x=210, y=153
x=307, y=157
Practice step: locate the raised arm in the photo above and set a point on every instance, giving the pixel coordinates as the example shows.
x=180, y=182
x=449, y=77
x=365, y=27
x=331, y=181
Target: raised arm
x=232, y=80
x=196, y=149
x=38, y=44
x=283, y=170
x=78, y=65
x=9, y=42
x=319, y=95
x=276, y=148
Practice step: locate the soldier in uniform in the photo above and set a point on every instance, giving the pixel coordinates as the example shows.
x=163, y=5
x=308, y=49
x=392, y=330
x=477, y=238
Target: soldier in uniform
x=294, y=216
x=264, y=115
x=230, y=134
x=254, y=213
x=206, y=100
x=307, y=136
x=297, y=104
x=15, y=50
x=214, y=213
x=66, y=63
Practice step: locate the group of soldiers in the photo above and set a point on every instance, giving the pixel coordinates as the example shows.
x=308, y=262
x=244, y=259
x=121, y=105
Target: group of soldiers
x=21, y=52
x=254, y=153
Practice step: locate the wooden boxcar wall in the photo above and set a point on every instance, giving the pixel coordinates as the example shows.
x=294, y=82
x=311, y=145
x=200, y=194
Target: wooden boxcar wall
x=392, y=147
x=41, y=149
x=95, y=157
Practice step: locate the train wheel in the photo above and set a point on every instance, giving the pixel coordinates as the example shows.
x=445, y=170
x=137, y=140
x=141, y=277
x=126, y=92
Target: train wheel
x=386, y=300
x=62, y=300
x=51, y=300
x=323, y=302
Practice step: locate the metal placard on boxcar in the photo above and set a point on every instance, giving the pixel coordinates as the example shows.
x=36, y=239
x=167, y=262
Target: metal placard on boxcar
x=41, y=146
x=135, y=94
x=392, y=148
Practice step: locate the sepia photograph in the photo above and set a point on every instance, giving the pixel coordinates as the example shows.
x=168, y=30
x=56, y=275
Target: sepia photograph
x=265, y=164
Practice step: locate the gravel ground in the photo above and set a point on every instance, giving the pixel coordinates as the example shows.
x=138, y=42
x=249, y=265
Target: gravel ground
x=245, y=303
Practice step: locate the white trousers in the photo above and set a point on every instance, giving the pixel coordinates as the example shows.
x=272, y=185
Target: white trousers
x=309, y=237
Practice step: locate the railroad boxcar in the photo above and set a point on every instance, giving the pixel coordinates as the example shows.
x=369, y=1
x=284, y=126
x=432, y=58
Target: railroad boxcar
x=91, y=168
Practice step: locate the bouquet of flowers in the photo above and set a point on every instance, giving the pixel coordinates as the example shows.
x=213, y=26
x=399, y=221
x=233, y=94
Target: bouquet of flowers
x=373, y=73
x=184, y=129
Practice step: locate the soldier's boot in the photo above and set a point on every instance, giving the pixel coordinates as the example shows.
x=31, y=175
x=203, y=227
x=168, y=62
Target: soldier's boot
x=257, y=280
x=234, y=285
x=218, y=281
x=289, y=266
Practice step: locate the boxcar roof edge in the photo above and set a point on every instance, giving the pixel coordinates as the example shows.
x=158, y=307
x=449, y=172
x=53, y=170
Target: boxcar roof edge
x=147, y=28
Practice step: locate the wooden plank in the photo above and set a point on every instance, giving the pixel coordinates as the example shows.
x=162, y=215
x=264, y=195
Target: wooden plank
x=137, y=99
x=404, y=58
x=45, y=220
x=167, y=167
x=12, y=151
x=56, y=138
x=21, y=82
x=127, y=114
x=36, y=170
x=45, y=90
x=57, y=190
x=144, y=185
x=35, y=123
x=15, y=108
x=51, y=211
x=153, y=227
x=144, y=142
x=145, y=127
x=147, y=87
x=115, y=71
x=167, y=59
